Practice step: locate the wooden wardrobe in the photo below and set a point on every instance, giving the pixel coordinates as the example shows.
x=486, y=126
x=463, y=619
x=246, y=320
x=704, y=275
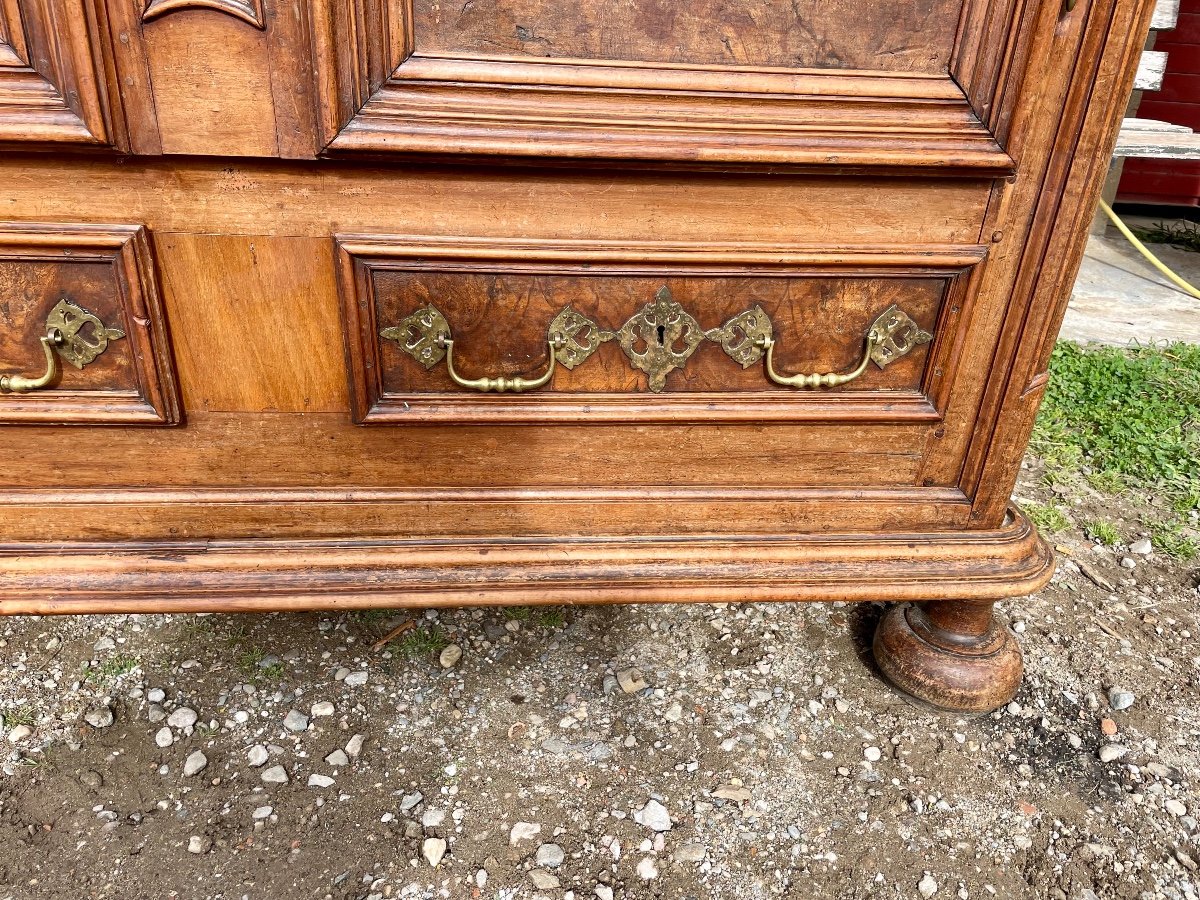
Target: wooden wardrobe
x=350, y=303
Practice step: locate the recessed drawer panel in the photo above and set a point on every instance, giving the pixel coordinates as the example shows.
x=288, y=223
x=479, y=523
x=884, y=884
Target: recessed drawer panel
x=83, y=337
x=495, y=331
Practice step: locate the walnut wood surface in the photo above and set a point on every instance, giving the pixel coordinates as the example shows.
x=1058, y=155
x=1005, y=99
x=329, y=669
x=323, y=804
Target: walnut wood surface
x=292, y=184
x=801, y=287
x=907, y=35
x=109, y=271
x=934, y=88
x=55, y=86
x=231, y=576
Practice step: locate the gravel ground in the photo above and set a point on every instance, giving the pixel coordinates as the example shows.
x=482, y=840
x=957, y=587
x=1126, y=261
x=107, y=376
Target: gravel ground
x=732, y=751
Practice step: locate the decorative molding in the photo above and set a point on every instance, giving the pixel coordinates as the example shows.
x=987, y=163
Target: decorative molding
x=362, y=256
x=266, y=575
x=143, y=391
x=247, y=10
x=380, y=93
x=53, y=83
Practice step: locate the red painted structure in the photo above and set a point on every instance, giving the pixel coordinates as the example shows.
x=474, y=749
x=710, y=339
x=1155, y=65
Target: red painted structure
x=1171, y=181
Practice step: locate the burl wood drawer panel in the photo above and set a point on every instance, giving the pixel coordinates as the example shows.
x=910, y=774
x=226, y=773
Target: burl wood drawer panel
x=591, y=332
x=84, y=340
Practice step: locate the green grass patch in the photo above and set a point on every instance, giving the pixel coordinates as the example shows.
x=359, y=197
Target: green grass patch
x=19, y=715
x=249, y=663
x=1126, y=416
x=111, y=669
x=421, y=641
x=1173, y=540
x=1104, y=532
x=1184, y=235
x=1048, y=519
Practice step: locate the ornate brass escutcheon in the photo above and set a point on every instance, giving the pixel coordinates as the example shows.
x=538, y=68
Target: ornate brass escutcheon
x=422, y=335
x=579, y=337
x=741, y=337
x=660, y=338
x=668, y=334
x=72, y=333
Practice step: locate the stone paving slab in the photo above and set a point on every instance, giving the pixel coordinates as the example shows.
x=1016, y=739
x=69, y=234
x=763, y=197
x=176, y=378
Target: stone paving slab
x=1120, y=299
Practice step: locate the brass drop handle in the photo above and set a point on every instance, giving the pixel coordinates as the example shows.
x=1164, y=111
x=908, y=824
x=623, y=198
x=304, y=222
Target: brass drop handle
x=891, y=335
x=73, y=334
x=502, y=384
x=22, y=384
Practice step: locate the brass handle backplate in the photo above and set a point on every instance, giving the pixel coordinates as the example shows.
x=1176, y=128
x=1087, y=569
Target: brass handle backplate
x=658, y=339
x=73, y=334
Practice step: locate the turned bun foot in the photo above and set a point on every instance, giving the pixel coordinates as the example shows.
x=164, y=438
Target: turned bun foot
x=950, y=654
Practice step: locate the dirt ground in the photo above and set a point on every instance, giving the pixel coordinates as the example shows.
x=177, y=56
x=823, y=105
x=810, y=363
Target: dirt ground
x=763, y=758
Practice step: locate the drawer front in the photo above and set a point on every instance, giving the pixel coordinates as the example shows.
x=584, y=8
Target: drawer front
x=84, y=339
x=437, y=329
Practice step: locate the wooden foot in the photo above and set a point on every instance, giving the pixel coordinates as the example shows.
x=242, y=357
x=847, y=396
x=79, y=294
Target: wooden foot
x=950, y=654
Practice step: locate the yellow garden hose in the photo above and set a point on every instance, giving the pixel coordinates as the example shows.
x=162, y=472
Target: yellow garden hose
x=1141, y=248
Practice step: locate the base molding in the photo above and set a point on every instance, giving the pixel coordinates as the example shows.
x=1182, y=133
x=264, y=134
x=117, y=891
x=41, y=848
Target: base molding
x=267, y=575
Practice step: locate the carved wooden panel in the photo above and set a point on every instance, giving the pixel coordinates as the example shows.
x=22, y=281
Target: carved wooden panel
x=53, y=86
x=500, y=307
x=919, y=84
x=247, y=10
x=215, y=77
x=899, y=36
x=105, y=272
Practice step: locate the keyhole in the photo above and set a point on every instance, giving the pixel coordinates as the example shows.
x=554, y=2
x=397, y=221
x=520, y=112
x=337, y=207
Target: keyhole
x=662, y=335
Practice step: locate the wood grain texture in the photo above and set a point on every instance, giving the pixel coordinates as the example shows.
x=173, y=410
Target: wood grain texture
x=258, y=320
x=669, y=86
x=262, y=575
x=500, y=297
x=55, y=85
x=908, y=35
x=109, y=271
x=218, y=77
x=276, y=199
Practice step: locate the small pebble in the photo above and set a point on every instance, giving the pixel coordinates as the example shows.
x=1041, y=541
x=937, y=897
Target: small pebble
x=337, y=758
x=450, y=656
x=543, y=880
x=101, y=717
x=321, y=781
x=1142, y=547
x=275, y=775
x=1176, y=808
x=654, y=816
x=550, y=856
x=184, y=717
x=927, y=886
x=257, y=756
x=198, y=844
x=19, y=733
x=295, y=721
x=196, y=762
x=262, y=812
x=354, y=746
x=356, y=679
x=1120, y=699
x=324, y=708
x=872, y=754
x=631, y=680
x=164, y=737
x=1112, y=752
x=433, y=850
x=523, y=831
x=646, y=869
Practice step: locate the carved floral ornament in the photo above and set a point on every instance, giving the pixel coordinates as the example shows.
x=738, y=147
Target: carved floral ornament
x=660, y=338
